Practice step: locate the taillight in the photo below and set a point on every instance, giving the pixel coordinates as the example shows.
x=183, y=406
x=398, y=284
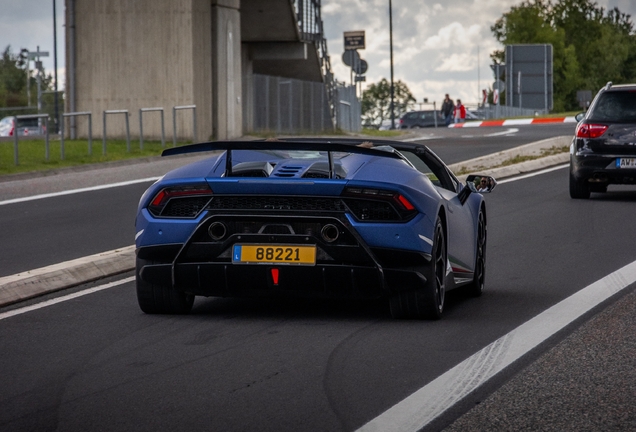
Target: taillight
x=405, y=203
x=590, y=130
x=398, y=202
x=165, y=195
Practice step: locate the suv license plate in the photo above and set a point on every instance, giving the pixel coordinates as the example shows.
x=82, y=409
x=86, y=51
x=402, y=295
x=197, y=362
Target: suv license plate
x=273, y=254
x=626, y=163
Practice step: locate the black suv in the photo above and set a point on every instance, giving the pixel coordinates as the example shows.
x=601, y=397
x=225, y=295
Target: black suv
x=603, y=150
x=420, y=119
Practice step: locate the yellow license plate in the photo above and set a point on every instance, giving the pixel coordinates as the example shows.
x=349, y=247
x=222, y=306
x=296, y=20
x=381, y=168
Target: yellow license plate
x=273, y=254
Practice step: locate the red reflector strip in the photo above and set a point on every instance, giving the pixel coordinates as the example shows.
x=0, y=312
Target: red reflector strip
x=159, y=198
x=275, y=276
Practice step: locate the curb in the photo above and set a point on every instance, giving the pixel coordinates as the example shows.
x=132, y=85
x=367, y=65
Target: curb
x=513, y=122
x=34, y=283
x=493, y=160
x=523, y=167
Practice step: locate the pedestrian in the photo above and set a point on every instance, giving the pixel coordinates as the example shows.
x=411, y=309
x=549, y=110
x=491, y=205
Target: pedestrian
x=447, y=110
x=459, y=112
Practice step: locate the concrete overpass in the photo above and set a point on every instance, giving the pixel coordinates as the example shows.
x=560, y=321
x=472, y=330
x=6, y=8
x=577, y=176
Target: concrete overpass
x=125, y=55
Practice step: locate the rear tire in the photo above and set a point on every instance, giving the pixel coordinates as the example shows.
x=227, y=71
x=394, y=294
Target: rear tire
x=476, y=287
x=159, y=299
x=579, y=189
x=425, y=302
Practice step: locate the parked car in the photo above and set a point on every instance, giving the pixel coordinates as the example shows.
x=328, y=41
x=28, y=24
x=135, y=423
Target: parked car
x=25, y=127
x=603, y=150
x=386, y=124
x=342, y=218
x=420, y=119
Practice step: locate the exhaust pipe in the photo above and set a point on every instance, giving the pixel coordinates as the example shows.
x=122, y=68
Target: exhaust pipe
x=330, y=233
x=217, y=231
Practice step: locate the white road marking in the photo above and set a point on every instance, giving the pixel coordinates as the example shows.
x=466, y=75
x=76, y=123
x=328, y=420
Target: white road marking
x=506, y=132
x=64, y=298
x=426, y=404
x=432, y=400
x=533, y=174
x=74, y=191
x=421, y=138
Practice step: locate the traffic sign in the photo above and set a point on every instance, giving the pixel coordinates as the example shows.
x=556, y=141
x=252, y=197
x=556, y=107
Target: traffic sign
x=360, y=67
x=350, y=57
x=354, y=40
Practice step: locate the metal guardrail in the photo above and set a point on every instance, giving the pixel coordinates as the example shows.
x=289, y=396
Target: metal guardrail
x=16, y=133
x=141, y=126
x=504, y=111
x=174, y=122
x=72, y=115
x=127, y=128
x=90, y=130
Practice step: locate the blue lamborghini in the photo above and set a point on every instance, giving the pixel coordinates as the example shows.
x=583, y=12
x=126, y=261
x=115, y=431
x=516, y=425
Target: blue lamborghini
x=339, y=218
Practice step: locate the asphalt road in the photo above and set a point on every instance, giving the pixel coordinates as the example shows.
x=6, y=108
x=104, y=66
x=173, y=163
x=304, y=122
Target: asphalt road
x=60, y=228
x=97, y=363
x=457, y=145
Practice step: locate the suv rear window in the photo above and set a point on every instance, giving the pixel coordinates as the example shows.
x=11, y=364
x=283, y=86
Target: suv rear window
x=615, y=106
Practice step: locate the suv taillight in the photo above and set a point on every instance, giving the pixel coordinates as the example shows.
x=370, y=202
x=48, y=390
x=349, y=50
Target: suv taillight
x=590, y=130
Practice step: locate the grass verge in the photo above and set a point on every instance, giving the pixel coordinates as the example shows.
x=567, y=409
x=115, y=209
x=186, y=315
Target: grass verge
x=516, y=159
x=32, y=154
x=381, y=133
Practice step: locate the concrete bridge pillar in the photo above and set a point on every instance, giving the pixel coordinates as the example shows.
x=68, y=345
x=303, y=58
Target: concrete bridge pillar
x=226, y=69
x=124, y=55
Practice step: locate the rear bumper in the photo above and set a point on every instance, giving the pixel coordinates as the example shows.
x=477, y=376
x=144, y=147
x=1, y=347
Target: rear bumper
x=601, y=169
x=345, y=267
x=247, y=280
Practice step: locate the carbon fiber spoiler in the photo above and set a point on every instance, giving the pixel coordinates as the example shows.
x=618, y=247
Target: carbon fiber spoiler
x=382, y=148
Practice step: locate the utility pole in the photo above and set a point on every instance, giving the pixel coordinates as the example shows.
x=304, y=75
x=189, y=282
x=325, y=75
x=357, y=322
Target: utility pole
x=391, y=48
x=55, y=120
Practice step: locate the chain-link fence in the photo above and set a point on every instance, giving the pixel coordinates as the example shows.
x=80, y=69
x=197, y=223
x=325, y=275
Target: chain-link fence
x=285, y=105
x=348, y=108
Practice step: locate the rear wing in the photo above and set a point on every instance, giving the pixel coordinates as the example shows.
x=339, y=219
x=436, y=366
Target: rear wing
x=383, y=149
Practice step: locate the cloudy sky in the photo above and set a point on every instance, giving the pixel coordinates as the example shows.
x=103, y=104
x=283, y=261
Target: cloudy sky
x=438, y=46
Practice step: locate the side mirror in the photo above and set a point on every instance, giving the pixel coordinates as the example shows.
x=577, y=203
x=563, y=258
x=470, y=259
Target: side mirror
x=481, y=183
x=476, y=183
x=579, y=116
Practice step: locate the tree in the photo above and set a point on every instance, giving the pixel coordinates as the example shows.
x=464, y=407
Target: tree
x=13, y=83
x=590, y=46
x=376, y=102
